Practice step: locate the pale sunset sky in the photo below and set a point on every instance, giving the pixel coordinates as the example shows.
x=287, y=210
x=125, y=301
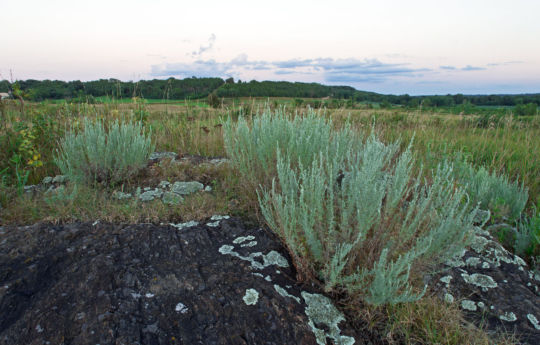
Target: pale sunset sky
x=387, y=46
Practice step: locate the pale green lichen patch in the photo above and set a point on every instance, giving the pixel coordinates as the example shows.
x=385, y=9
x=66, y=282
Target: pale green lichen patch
x=249, y=244
x=508, y=316
x=448, y=298
x=243, y=239
x=251, y=297
x=479, y=243
x=320, y=310
x=284, y=293
x=213, y=225
x=272, y=258
x=446, y=280
x=468, y=305
x=472, y=261
x=480, y=280
x=181, y=226
x=218, y=217
x=534, y=321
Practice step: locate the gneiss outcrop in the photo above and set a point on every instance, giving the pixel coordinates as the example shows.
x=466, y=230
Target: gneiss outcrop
x=494, y=288
x=217, y=282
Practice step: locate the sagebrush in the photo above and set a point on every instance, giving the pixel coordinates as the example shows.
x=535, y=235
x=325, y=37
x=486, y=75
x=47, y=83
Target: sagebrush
x=106, y=154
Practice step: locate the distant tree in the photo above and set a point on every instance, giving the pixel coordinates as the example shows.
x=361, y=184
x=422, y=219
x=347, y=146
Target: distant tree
x=229, y=80
x=213, y=100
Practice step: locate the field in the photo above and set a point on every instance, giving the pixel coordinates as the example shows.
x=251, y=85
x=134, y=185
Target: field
x=506, y=146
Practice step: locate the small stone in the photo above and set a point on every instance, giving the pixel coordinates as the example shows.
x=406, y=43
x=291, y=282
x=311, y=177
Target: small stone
x=121, y=195
x=60, y=179
x=161, y=155
x=185, y=188
x=171, y=198
x=164, y=184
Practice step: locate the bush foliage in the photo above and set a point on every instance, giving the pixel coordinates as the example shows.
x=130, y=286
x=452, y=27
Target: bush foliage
x=104, y=154
x=349, y=210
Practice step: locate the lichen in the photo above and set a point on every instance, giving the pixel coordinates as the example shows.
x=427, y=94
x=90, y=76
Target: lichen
x=241, y=239
x=534, y=321
x=213, y=225
x=320, y=310
x=251, y=297
x=481, y=280
x=468, y=305
x=181, y=308
x=448, y=298
x=249, y=244
x=218, y=217
x=446, y=279
x=181, y=226
x=284, y=293
x=472, y=261
x=508, y=316
x=272, y=258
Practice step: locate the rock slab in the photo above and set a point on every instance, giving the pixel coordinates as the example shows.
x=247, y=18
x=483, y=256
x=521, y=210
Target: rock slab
x=100, y=283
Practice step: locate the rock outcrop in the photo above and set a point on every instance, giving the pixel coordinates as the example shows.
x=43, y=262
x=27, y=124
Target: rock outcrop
x=213, y=283
x=494, y=288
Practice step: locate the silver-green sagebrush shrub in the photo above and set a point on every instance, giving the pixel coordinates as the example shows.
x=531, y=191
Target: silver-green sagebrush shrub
x=104, y=154
x=497, y=193
x=350, y=212
x=253, y=145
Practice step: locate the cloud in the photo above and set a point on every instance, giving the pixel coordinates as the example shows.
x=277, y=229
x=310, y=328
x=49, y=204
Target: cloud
x=349, y=70
x=472, y=68
x=506, y=63
x=203, y=49
x=448, y=68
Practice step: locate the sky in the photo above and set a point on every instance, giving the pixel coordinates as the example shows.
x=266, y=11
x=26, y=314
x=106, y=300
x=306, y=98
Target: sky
x=387, y=46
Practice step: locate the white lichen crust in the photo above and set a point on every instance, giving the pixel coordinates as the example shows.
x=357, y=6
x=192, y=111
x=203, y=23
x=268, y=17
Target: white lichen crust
x=320, y=310
x=251, y=297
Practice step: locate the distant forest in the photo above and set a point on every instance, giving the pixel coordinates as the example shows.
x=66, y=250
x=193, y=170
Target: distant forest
x=197, y=88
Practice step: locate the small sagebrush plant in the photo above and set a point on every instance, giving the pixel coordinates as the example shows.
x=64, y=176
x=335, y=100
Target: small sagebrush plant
x=349, y=211
x=104, y=154
x=497, y=193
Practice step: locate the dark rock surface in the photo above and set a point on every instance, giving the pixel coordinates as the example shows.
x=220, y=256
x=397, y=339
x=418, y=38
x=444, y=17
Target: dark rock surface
x=494, y=288
x=94, y=283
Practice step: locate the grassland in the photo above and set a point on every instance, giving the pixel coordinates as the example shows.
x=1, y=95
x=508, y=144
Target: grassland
x=505, y=145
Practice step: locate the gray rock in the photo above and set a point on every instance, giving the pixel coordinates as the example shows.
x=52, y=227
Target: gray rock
x=185, y=188
x=47, y=180
x=162, y=155
x=171, y=198
x=151, y=195
x=121, y=195
x=481, y=217
x=60, y=179
x=164, y=184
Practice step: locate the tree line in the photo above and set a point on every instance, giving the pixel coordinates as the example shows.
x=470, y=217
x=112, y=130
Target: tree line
x=198, y=88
